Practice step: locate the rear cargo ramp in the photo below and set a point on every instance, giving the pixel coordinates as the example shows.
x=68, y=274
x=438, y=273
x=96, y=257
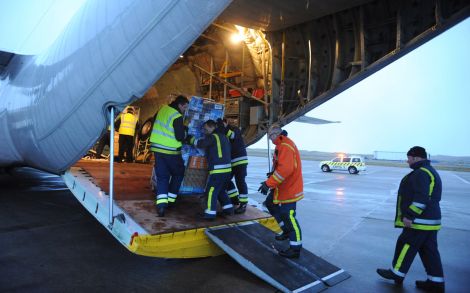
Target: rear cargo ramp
x=252, y=246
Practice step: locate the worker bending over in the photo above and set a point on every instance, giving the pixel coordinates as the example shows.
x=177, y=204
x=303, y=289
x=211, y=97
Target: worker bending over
x=166, y=139
x=286, y=186
x=217, y=152
x=239, y=162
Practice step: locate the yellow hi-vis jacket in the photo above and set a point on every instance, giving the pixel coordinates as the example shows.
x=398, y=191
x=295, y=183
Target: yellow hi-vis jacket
x=163, y=139
x=128, y=123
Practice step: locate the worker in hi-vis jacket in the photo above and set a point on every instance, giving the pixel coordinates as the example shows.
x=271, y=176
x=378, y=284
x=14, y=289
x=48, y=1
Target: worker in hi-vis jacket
x=168, y=133
x=419, y=215
x=239, y=161
x=285, y=188
x=217, y=151
x=126, y=130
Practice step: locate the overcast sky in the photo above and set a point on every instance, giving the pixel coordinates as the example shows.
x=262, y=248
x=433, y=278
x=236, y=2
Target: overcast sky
x=30, y=26
x=421, y=99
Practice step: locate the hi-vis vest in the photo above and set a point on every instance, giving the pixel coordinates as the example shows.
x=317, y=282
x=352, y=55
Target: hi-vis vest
x=128, y=123
x=163, y=138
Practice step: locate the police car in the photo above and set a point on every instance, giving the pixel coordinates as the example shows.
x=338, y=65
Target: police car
x=352, y=164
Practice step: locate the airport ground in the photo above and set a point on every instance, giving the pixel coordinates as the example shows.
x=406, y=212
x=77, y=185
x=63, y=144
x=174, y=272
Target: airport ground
x=49, y=243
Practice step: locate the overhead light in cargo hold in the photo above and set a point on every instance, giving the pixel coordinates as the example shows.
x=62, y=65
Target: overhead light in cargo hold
x=237, y=38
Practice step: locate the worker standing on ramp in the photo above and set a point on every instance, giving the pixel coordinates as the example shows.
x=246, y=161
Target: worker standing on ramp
x=166, y=139
x=419, y=214
x=287, y=188
x=126, y=135
x=239, y=194
x=217, y=151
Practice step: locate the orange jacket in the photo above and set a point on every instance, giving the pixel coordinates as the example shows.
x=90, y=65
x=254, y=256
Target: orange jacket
x=287, y=179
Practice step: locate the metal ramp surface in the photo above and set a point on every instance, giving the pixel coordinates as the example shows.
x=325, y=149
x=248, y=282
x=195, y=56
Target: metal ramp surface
x=253, y=246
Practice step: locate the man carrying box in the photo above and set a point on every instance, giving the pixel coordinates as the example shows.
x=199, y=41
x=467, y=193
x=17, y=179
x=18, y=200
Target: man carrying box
x=217, y=152
x=166, y=140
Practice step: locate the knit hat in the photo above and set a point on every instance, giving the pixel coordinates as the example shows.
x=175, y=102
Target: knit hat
x=417, y=151
x=275, y=129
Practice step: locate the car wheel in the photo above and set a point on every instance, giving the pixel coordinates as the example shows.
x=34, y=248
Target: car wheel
x=325, y=168
x=352, y=170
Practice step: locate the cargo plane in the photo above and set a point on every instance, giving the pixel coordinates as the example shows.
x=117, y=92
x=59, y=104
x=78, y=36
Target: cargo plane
x=266, y=61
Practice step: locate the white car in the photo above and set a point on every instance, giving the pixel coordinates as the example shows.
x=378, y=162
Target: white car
x=352, y=164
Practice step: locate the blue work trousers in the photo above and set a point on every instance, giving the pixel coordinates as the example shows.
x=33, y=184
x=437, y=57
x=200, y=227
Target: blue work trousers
x=169, y=170
x=215, y=190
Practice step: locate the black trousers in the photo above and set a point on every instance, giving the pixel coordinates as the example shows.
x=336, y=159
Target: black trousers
x=285, y=215
x=239, y=172
x=215, y=192
x=412, y=241
x=104, y=140
x=126, y=145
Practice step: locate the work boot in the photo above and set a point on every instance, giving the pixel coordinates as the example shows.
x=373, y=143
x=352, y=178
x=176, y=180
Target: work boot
x=235, y=201
x=240, y=209
x=281, y=237
x=161, y=211
x=209, y=219
x=227, y=212
x=290, y=253
x=430, y=286
x=389, y=275
x=204, y=217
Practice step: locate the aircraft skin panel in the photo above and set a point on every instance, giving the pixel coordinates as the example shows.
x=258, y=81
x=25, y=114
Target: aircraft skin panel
x=7, y=153
x=111, y=52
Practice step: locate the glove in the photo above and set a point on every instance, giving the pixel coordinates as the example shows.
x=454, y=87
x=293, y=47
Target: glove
x=263, y=189
x=189, y=139
x=269, y=174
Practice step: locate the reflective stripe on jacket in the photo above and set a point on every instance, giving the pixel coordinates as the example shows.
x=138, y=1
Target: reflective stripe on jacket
x=287, y=176
x=237, y=146
x=128, y=123
x=418, y=198
x=163, y=138
x=217, y=151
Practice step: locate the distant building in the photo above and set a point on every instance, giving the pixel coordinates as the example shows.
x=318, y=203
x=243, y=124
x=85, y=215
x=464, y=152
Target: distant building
x=391, y=156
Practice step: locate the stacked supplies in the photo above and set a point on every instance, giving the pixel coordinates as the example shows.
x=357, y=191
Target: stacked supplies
x=199, y=111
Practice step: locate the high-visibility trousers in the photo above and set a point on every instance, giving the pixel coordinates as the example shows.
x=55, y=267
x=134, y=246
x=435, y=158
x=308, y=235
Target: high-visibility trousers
x=240, y=192
x=169, y=170
x=409, y=243
x=285, y=215
x=215, y=191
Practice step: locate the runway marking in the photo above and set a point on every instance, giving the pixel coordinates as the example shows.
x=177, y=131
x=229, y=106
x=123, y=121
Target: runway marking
x=461, y=179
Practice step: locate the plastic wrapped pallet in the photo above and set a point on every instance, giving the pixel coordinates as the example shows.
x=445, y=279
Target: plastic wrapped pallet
x=199, y=111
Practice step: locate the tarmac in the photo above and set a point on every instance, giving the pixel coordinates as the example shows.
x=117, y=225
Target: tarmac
x=49, y=242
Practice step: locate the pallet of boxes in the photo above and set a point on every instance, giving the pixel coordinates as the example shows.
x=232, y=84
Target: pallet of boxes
x=196, y=172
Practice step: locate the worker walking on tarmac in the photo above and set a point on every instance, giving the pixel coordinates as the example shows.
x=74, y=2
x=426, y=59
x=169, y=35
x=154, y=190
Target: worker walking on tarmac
x=166, y=139
x=285, y=188
x=239, y=160
x=419, y=214
x=126, y=135
x=217, y=152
